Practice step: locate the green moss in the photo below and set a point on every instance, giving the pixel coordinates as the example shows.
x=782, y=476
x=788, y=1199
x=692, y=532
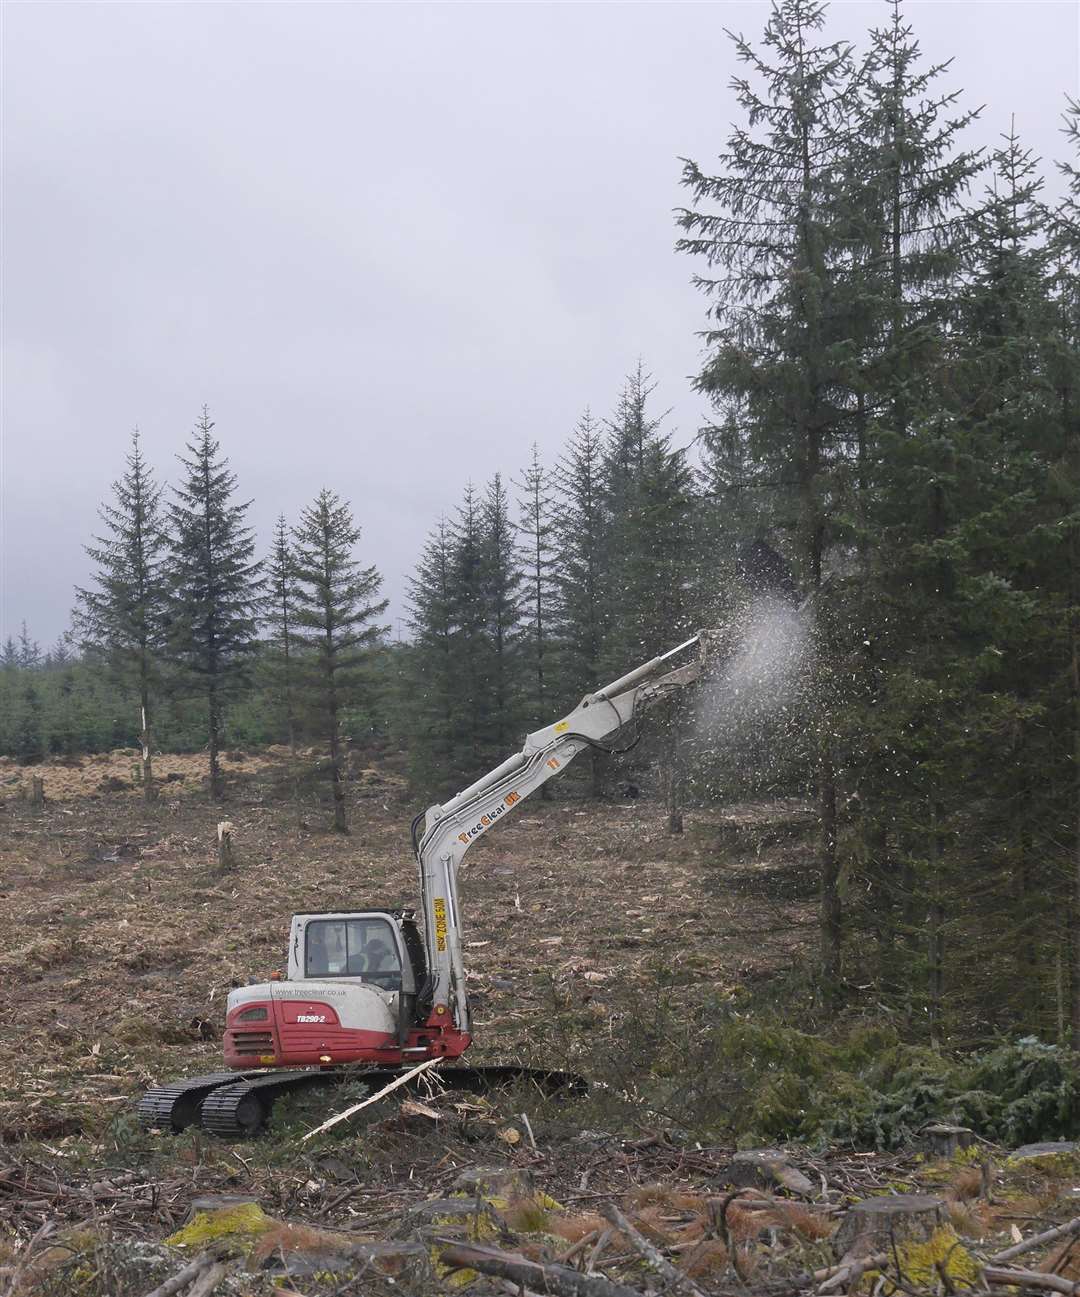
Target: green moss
x=922, y=1264
x=246, y=1222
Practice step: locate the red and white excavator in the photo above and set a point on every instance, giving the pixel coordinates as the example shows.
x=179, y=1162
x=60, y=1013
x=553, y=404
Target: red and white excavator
x=369, y=986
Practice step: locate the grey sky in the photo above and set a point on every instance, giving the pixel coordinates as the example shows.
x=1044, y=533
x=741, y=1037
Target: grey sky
x=389, y=245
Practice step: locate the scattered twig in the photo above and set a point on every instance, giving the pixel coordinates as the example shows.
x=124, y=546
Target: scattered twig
x=656, y=1259
x=190, y=1272
x=577, y=1247
x=562, y=1281
x=341, y=1116
x=594, y=1255
x=1029, y=1279
x=1036, y=1241
x=208, y=1281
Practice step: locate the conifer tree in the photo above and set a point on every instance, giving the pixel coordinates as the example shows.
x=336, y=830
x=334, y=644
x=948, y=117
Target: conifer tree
x=537, y=562
x=279, y=615
x=644, y=491
x=501, y=594
x=581, y=611
x=29, y=650
x=335, y=621
x=470, y=620
x=1064, y=269
x=432, y=697
x=903, y=182
x=782, y=336
x=214, y=587
x=123, y=615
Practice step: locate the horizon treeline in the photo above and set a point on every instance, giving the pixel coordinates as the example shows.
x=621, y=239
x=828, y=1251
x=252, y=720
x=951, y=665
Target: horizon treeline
x=892, y=361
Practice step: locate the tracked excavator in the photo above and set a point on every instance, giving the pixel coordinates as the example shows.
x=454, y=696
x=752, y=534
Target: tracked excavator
x=370, y=993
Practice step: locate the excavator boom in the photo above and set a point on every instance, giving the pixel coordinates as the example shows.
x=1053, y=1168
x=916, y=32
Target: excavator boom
x=450, y=829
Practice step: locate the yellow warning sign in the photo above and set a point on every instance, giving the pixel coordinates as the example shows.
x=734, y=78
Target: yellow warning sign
x=439, y=906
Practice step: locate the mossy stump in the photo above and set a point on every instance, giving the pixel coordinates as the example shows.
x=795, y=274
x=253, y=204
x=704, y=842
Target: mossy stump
x=766, y=1168
x=944, y=1140
x=880, y=1224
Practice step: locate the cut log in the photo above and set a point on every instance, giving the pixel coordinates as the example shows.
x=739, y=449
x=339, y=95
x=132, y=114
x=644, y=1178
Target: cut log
x=766, y=1168
x=37, y=791
x=1031, y=1279
x=944, y=1140
x=561, y=1280
x=878, y=1224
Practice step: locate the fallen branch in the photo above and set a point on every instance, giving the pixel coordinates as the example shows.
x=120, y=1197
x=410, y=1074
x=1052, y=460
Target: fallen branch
x=1037, y=1240
x=193, y=1269
x=560, y=1280
x=850, y=1273
x=657, y=1260
x=341, y=1116
x=1029, y=1279
x=205, y=1285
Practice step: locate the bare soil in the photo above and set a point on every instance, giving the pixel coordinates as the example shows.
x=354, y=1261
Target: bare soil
x=586, y=926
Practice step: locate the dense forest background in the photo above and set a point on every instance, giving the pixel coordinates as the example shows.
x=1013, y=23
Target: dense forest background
x=882, y=515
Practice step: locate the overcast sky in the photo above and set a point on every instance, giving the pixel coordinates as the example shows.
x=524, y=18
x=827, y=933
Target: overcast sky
x=390, y=246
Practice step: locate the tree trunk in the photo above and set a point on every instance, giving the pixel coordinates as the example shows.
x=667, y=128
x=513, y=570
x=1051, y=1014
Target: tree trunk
x=146, y=761
x=674, y=774
x=829, y=868
x=341, y=824
x=935, y=928
x=217, y=784
x=1075, y=908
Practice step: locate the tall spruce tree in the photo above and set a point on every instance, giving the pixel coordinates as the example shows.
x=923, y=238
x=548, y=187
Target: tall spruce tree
x=581, y=622
x=335, y=622
x=431, y=699
x=501, y=595
x=1065, y=249
x=781, y=336
x=279, y=616
x=123, y=616
x=536, y=526
x=582, y=610
x=469, y=646
x=214, y=588
x=29, y=649
x=903, y=185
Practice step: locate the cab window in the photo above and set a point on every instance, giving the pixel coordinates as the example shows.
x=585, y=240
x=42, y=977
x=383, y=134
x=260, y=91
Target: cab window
x=363, y=948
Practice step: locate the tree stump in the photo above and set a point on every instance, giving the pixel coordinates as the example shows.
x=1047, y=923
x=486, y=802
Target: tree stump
x=1051, y=1148
x=944, y=1140
x=37, y=792
x=766, y=1168
x=879, y=1224
x=225, y=849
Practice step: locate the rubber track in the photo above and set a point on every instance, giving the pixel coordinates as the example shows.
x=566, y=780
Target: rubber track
x=175, y=1106
x=234, y=1105
x=243, y=1108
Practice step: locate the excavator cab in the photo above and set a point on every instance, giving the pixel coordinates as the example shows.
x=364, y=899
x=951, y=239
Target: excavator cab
x=365, y=946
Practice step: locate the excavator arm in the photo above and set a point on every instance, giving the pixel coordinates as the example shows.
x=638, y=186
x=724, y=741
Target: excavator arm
x=451, y=829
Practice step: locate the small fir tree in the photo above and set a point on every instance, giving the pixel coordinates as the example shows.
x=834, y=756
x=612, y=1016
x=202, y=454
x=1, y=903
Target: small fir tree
x=536, y=527
x=214, y=589
x=123, y=615
x=335, y=622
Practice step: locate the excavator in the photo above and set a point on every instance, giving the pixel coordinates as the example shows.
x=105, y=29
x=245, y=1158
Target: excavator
x=367, y=994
